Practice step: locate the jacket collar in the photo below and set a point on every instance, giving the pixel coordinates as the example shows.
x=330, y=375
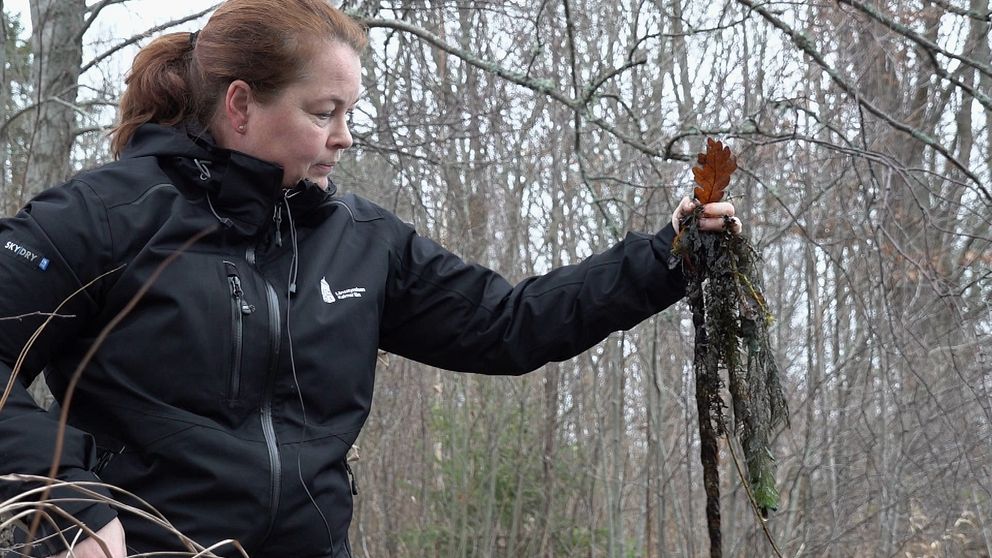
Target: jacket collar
x=242, y=190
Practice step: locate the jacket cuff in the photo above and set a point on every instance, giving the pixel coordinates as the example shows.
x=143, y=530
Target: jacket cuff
x=666, y=237
x=666, y=234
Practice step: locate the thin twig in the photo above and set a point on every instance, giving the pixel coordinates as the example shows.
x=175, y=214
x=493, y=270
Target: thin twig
x=144, y=35
x=37, y=333
x=805, y=44
x=38, y=313
x=89, y=494
x=915, y=37
x=542, y=86
x=931, y=49
x=97, y=343
x=93, y=12
x=987, y=16
x=750, y=498
x=577, y=122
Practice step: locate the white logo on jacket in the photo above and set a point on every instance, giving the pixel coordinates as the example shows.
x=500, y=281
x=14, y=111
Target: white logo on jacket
x=325, y=291
x=331, y=297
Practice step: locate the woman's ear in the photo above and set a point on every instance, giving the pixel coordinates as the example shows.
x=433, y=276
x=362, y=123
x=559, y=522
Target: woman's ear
x=236, y=103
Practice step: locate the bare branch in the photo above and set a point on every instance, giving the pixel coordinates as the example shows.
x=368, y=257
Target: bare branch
x=577, y=121
x=90, y=130
x=916, y=37
x=32, y=314
x=144, y=35
x=543, y=87
x=94, y=11
x=806, y=46
x=987, y=16
x=591, y=89
x=33, y=106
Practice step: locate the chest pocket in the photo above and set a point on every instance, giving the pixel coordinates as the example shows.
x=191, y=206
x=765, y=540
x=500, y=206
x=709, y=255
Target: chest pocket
x=241, y=309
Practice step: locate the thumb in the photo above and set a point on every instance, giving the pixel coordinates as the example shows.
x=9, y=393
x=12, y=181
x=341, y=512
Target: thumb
x=683, y=210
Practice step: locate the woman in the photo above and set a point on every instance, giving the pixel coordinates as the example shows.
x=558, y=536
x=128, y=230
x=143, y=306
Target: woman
x=229, y=396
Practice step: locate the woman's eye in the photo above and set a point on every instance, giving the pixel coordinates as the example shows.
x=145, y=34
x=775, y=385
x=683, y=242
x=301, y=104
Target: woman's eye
x=324, y=115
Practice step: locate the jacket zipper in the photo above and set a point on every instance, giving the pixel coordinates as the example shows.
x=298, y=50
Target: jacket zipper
x=239, y=309
x=275, y=337
x=268, y=430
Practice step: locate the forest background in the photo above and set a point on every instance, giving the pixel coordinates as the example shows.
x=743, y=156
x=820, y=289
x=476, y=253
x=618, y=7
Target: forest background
x=527, y=134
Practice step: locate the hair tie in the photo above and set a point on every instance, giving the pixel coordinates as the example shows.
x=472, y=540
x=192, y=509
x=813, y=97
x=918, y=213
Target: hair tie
x=192, y=39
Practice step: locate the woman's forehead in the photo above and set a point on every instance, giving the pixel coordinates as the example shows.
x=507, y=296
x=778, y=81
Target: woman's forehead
x=333, y=75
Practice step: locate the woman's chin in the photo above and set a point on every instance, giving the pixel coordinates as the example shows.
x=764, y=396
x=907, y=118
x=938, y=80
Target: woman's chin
x=321, y=181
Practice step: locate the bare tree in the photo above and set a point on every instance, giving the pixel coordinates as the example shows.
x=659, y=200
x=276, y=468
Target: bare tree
x=57, y=47
x=527, y=135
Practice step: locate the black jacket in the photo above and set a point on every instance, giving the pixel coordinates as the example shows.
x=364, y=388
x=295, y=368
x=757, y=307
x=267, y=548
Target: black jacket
x=246, y=369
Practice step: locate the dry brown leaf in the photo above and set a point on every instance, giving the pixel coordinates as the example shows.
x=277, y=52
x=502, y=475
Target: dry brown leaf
x=713, y=172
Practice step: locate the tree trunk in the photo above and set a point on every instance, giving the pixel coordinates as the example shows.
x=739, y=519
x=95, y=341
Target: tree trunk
x=57, y=44
x=4, y=95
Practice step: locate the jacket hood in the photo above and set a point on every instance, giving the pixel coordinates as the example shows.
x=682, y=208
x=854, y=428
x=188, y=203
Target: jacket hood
x=242, y=190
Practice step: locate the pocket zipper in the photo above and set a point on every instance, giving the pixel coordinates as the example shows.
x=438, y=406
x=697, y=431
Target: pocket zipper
x=239, y=309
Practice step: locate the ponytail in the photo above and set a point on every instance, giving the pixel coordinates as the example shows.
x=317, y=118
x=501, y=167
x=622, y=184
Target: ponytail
x=158, y=87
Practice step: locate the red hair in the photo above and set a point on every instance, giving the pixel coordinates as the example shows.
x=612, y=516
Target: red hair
x=266, y=43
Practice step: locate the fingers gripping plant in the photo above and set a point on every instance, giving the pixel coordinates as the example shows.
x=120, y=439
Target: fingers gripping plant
x=731, y=319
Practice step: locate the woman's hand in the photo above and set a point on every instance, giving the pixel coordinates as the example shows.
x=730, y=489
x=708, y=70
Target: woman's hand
x=717, y=216
x=112, y=535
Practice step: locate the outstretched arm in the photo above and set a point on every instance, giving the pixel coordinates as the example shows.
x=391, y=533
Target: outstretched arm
x=446, y=312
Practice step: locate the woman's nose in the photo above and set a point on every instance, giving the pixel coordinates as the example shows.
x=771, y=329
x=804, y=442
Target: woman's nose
x=340, y=138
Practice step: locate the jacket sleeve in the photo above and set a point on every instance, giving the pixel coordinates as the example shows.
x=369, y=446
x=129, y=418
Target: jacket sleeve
x=50, y=249
x=448, y=313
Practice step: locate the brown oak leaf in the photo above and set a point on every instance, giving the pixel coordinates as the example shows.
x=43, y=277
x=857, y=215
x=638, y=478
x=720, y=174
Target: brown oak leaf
x=713, y=173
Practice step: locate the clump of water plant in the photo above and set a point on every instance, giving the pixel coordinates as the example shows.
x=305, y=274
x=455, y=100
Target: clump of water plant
x=731, y=319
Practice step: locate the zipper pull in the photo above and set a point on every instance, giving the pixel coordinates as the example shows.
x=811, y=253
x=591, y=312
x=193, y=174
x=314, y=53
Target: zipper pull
x=277, y=218
x=354, y=485
x=105, y=457
x=236, y=291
